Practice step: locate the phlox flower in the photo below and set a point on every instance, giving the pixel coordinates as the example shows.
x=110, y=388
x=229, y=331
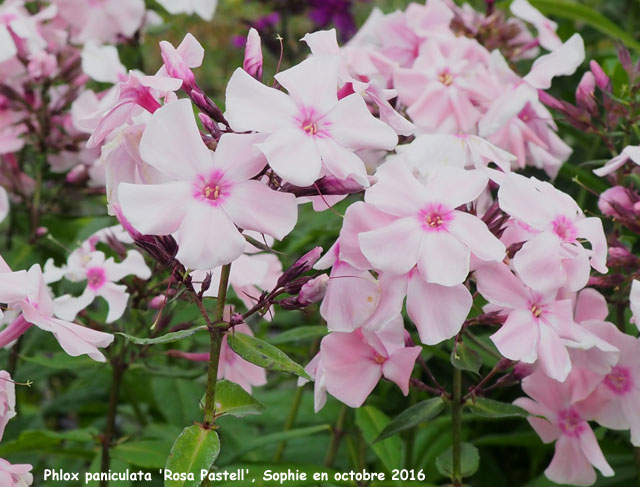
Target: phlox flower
x=629, y=153
x=101, y=20
x=539, y=328
x=354, y=362
x=561, y=415
x=203, y=8
x=28, y=293
x=209, y=193
x=311, y=132
x=101, y=275
x=554, y=256
x=546, y=28
x=7, y=400
x=427, y=229
x=618, y=395
x=4, y=203
x=18, y=475
x=634, y=299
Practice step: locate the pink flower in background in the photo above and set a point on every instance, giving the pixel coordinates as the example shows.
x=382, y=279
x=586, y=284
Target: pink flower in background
x=7, y=400
x=539, y=328
x=18, y=475
x=100, y=274
x=354, y=362
x=629, y=153
x=427, y=229
x=554, y=256
x=203, y=8
x=559, y=416
x=27, y=292
x=311, y=132
x=546, y=28
x=618, y=395
x=210, y=193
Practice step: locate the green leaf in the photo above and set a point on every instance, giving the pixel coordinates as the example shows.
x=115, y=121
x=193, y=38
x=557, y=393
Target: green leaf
x=166, y=338
x=46, y=441
x=371, y=422
x=264, y=355
x=465, y=358
x=234, y=400
x=416, y=414
x=489, y=408
x=469, y=461
x=299, y=333
x=177, y=399
x=195, y=449
x=580, y=12
x=145, y=453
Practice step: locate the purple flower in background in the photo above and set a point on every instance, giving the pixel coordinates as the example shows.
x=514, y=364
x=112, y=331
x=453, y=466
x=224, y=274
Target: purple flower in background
x=338, y=12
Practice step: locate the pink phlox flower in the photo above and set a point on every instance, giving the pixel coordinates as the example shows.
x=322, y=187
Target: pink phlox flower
x=100, y=275
x=561, y=414
x=203, y=8
x=179, y=61
x=546, y=28
x=7, y=400
x=354, y=362
x=28, y=293
x=555, y=256
x=102, y=63
x=539, y=327
x=209, y=193
x=629, y=153
x=309, y=129
x=18, y=475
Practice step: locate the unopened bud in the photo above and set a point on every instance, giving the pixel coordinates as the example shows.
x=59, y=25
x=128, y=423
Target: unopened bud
x=616, y=202
x=585, y=93
x=602, y=80
x=302, y=265
x=157, y=302
x=253, y=55
x=314, y=290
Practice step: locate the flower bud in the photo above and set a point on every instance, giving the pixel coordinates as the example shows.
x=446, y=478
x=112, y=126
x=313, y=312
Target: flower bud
x=157, y=302
x=253, y=55
x=176, y=67
x=616, y=202
x=302, y=265
x=585, y=93
x=602, y=80
x=77, y=175
x=314, y=290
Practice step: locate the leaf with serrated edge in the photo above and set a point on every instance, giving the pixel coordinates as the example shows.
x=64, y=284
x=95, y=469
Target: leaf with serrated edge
x=263, y=354
x=409, y=418
x=195, y=449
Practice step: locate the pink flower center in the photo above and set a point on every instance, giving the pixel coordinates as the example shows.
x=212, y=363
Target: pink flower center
x=571, y=423
x=445, y=77
x=96, y=278
x=211, y=189
x=619, y=380
x=565, y=229
x=435, y=217
x=312, y=123
x=379, y=359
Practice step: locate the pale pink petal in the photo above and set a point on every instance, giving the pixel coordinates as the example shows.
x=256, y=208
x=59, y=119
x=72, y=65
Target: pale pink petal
x=350, y=298
x=591, y=229
x=116, y=297
x=590, y=305
x=394, y=248
x=237, y=156
x=67, y=307
x=552, y=354
x=442, y=259
x=455, y=186
x=313, y=82
x=473, y=232
x=207, y=238
x=397, y=191
x=562, y=61
x=350, y=369
x=172, y=143
x=399, y=366
x=539, y=264
x=14, y=286
x=500, y=286
x=569, y=465
x=253, y=106
x=353, y=126
x=254, y=206
x=437, y=311
x=155, y=209
x=341, y=162
x=293, y=155
x=518, y=337
x=521, y=198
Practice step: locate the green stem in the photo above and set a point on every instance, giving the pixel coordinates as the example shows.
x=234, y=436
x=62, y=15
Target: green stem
x=456, y=425
x=293, y=412
x=338, y=433
x=216, y=335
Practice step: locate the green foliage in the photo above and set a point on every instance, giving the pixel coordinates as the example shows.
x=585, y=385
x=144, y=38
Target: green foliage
x=194, y=450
